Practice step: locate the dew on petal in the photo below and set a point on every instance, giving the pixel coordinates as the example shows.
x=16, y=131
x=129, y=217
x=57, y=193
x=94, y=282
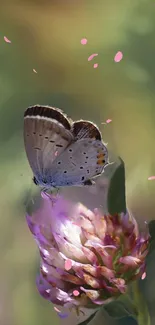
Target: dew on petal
x=6, y=40
x=76, y=293
x=83, y=41
x=118, y=57
x=151, y=178
x=143, y=276
x=57, y=310
x=68, y=265
x=92, y=56
x=95, y=65
x=34, y=71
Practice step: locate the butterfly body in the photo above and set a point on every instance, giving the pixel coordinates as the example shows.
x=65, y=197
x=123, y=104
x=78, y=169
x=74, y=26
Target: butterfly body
x=62, y=152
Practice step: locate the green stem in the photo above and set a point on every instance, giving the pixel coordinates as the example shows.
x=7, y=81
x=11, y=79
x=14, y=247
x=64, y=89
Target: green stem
x=142, y=313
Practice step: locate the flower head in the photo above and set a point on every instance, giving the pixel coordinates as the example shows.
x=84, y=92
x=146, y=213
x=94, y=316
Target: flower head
x=87, y=258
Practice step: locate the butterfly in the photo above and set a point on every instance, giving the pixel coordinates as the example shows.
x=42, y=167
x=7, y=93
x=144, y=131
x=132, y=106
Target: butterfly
x=62, y=152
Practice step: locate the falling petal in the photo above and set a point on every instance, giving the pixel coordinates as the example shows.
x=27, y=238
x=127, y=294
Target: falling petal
x=56, y=153
x=6, y=40
x=57, y=310
x=95, y=65
x=108, y=121
x=76, y=293
x=118, y=57
x=92, y=56
x=83, y=41
x=68, y=265
x=143, y=276
x=34, y=71
x=151, y=178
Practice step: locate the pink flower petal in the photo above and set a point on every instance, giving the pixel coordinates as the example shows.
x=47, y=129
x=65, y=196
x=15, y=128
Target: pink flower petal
x=151, y=178
x=118, y=57
x=6, y=40
x=92, y=56
x=68, y=265
x=95, y=65
x=143, y=276
x=129, y=260
x=83, y=41
x=34, y=71
x=76, y=293
x=108, y=121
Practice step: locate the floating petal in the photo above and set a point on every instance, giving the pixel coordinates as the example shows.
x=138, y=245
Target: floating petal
x=84, y=41
x=92, y=56
x=118, y=57
x=6, y=40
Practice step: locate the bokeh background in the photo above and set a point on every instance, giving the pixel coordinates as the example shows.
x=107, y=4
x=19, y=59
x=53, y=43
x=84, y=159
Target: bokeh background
x=45, y=35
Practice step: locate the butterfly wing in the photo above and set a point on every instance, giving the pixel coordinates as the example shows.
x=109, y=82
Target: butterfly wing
x=81, y=161
x=85, y=129
x=46, y=135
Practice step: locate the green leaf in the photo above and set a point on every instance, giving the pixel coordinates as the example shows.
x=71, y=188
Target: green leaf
x=152, y=229
x=118, y=309
x=116, y=193
x=152, y=234
x=88, y=319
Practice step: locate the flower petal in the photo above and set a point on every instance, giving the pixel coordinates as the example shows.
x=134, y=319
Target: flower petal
x=70, y=251
x=130, y=260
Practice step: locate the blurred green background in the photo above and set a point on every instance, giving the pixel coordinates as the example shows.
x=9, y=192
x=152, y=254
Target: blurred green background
x=46, y=36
